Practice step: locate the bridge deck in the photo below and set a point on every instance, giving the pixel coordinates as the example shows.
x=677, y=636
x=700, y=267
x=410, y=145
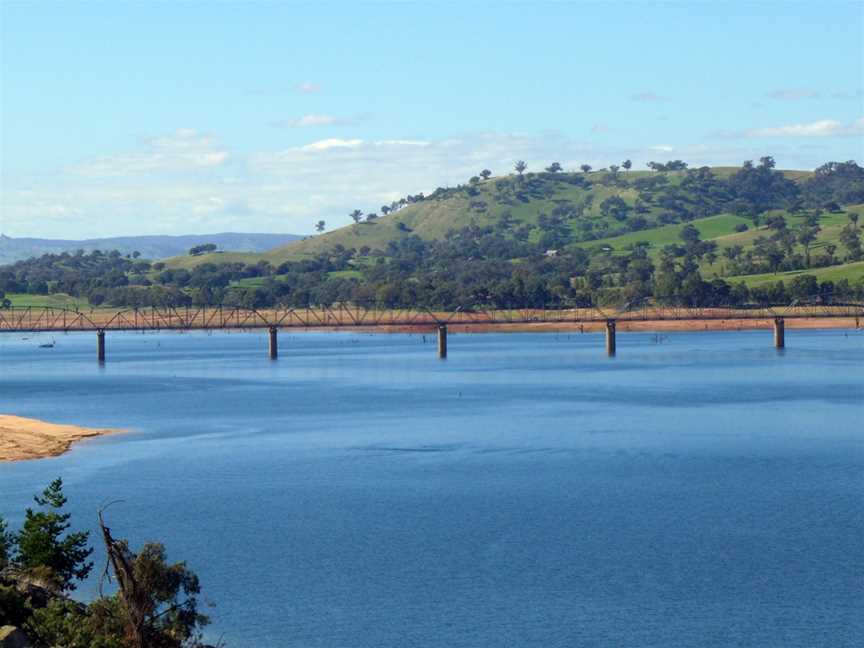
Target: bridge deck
x=212, y=318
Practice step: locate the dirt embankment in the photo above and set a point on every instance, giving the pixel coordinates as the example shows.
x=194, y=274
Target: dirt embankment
x=635, y=326
x=23, y=438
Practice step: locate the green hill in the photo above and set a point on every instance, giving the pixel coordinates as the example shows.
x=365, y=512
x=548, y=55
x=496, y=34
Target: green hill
x=579, y=197
x=691, y=236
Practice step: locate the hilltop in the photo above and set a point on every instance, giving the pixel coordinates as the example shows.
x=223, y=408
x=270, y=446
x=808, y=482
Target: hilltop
x=673, y=235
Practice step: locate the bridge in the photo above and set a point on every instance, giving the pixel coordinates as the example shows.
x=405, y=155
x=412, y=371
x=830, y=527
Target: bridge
x=358, y=317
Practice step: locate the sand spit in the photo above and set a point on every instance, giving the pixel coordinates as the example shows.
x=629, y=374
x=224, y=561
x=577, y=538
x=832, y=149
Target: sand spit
x=23, y=438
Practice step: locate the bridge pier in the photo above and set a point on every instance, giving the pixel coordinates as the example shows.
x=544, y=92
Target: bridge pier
x=442, y=341
x=610, y=337
x=779, y=333
x=100, y=346
x=274, y=342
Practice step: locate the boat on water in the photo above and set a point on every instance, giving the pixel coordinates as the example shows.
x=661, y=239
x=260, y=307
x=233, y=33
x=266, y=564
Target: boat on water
x=47, y=345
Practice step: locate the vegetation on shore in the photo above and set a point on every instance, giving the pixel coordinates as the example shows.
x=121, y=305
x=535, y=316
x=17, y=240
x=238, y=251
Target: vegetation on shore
x=155, y=605
x=670, y=236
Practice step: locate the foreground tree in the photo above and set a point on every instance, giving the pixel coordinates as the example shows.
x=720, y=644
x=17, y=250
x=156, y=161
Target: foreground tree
x=157, y=602
x=6, y=540
x=44, y=545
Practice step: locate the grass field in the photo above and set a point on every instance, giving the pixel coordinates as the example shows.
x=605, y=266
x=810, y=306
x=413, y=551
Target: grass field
x=851, y=271
x=711, y=227
x=58, y=300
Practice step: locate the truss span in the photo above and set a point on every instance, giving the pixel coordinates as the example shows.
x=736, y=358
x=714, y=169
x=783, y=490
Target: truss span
x=353, y=316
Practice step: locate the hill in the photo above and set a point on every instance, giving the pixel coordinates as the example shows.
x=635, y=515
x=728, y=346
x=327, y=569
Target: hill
x=673, y=235
x=149, y=247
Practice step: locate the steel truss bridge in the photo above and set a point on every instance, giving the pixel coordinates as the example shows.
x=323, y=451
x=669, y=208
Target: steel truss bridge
x=34, y=320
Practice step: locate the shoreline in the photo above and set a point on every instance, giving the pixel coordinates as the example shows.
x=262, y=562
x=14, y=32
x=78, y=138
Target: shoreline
x=23, y=439
x=623, y=326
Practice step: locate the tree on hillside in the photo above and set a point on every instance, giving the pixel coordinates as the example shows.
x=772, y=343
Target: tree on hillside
x=485, y=174
x=356, y=215
x=853, y=218
x=851, y=240
x=616, y=207
x=202, y=249
x=385, y=209
x=520, y=166
x=371, y=217
x=319, y=226
x=586, y=168
x=805, y=235
x=44, y=542
x=613, y=169
x=627, y=164
x=555, y=167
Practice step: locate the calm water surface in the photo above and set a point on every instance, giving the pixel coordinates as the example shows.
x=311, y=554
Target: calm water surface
x=701, y=491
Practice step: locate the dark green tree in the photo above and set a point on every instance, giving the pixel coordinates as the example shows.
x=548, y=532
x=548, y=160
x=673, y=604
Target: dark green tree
x=6, y=542
x=520, y=166
x=44, y=541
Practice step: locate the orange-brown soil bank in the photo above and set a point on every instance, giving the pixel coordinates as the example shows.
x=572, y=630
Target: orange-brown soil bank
x=23, y=438
x=624, y=326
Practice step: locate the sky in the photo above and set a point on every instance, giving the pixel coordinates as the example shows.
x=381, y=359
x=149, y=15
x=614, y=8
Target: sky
x=128, y=118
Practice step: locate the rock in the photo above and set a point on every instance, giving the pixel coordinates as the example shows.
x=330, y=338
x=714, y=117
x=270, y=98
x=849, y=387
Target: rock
x=12, y=637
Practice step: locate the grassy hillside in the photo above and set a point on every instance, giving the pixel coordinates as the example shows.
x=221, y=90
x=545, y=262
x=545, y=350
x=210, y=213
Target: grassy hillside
x=431, y=219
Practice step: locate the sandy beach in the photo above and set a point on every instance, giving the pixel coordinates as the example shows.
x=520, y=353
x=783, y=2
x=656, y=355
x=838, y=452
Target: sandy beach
x=23, y=438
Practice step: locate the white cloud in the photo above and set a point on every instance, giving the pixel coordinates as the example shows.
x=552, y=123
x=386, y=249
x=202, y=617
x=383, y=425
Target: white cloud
x=648, y=96
x=848, y=96
x=820, y=128
x=332, y=143
x=793, y=94
x=185, y=149
x=308, y=87
x=309, y=121
x=287, y=190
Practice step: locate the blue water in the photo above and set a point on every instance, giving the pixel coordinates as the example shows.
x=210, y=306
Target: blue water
x=528, y=491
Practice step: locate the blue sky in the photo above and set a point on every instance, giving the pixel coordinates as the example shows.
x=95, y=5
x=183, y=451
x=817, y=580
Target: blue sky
x=133, y=118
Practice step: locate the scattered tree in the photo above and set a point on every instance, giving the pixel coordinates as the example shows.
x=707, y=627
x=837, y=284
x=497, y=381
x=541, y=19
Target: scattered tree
x=555, y=167
x=44, y=542
x=586, y=168
x=520, y=166
x=319, y=226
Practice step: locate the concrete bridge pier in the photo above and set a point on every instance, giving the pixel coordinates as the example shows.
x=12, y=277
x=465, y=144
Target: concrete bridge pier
x=779, y=333
x=274, y=342
x=610, y=337
x=100, y=346
x=442, y=341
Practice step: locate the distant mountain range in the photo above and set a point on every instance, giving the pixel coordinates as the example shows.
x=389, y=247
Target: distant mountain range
x=150, y=247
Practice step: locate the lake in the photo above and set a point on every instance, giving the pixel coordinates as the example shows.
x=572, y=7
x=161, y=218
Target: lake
x=700, y=489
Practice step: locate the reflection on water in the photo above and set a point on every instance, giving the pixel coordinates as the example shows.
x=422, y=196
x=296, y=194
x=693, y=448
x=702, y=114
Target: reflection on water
x=697, y=490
